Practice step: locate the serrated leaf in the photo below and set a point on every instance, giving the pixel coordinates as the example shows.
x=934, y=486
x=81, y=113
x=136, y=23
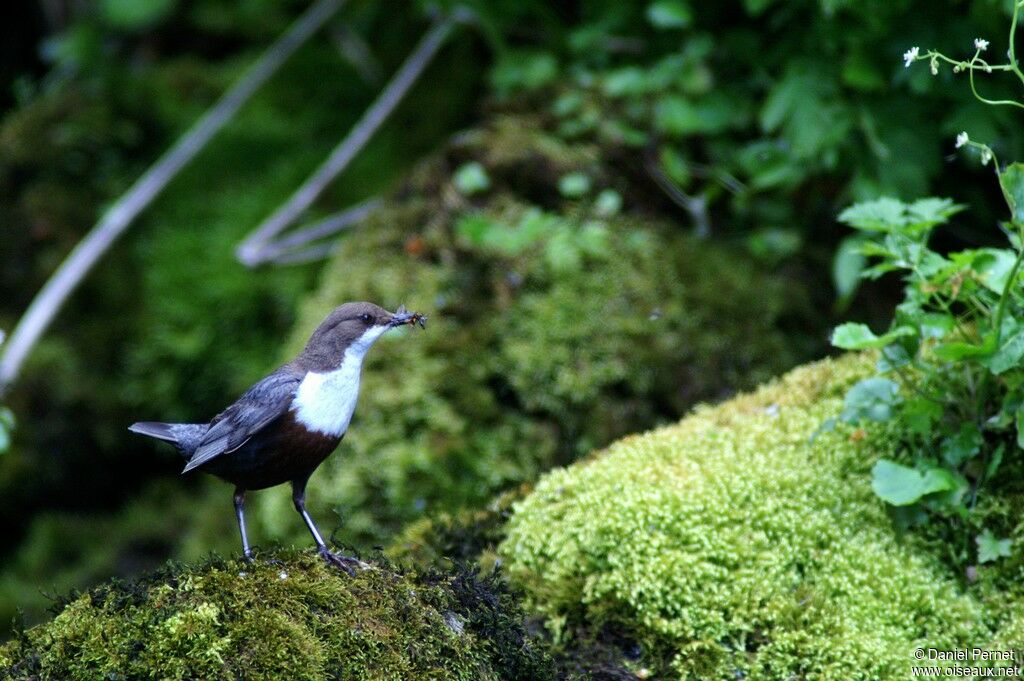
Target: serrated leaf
x=891, y=215
x=880, y=215
x=990, y=548
x=900, y=485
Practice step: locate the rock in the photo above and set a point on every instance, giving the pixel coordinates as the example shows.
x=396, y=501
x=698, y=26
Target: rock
x=733, y=545
x=284, y=616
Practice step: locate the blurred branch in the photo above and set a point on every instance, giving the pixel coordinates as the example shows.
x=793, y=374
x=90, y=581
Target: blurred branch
x=257, y=248
x=285, y=250
x=696, y=206
x=116, y=220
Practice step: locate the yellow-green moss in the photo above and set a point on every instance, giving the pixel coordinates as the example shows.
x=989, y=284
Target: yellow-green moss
x=525, y=365
x=291, y=618
x=732, y=546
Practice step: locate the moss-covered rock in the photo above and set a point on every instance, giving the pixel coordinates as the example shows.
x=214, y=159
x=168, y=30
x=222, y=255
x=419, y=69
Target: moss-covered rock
x=558, y=322
x=288, y=618
x=733, y=545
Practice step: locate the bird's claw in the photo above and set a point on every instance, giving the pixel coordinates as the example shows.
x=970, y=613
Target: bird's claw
x=346, y=563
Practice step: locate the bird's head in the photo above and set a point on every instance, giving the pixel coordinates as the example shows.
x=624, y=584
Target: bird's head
x=353, y=328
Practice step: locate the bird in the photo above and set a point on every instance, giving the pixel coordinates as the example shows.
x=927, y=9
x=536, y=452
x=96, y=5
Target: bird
x=283, y=427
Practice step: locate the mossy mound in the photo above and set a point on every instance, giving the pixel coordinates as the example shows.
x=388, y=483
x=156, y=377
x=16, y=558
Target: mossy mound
x=732, y=545
x=290, y=618
x=557, y=323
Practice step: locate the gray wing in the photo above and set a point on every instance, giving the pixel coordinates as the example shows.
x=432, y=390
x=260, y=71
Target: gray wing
x=258, y=407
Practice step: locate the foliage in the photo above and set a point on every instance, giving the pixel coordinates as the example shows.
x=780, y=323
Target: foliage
x=552, y=330
x=285, y=615
x=732, y=545
x=170, y=325
x=768, y=130
x=955, y=345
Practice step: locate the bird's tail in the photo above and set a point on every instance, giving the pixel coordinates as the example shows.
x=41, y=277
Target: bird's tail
x=185, y=436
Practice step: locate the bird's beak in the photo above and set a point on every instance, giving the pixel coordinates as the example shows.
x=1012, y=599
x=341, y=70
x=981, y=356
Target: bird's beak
x=402, y=317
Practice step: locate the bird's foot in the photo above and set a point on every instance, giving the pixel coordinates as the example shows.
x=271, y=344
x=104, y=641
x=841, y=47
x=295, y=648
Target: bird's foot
x=346, y=563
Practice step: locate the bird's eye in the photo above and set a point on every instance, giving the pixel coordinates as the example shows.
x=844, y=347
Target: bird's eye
x=366, y=318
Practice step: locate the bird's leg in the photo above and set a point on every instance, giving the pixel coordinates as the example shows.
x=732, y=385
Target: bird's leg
x=240, y=514
x=339, y=561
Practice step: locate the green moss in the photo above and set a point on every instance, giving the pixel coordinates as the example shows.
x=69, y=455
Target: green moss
x=292, y=617
x=538, y=348
x=731, y=545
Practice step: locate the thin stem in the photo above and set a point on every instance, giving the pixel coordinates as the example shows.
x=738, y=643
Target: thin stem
x=1013, y=34
x=252, y=251
x=993, y=102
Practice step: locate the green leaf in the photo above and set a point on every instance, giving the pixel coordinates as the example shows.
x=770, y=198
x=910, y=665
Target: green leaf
x=574, y=185
x=993, y=267
x=847, y=266
x=523, y=70
x=935, y=324
x=990, y=548
x=592, y=239
x=964, y=445
x=873, y=399
x=809, y=114
x=608, y=203
x=6, y=426
x=854, y=336
x=773, y=244
x=880, y=215
x=1020, y=425
x=471, y=178
x=957, y=351
x=920, y=415
x=710, y=115
x=997, y=459
x=1009, y=354
x=562, y=253
x=1012, y=182
x=891, y=215
x=892, y=357
x=669, y=14
x=900, y=486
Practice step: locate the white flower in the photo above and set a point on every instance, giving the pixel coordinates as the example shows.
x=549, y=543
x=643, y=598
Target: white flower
x=962, y=139
x=986, y=156
x=980, y=45
x=910, y=55
x=935, y=65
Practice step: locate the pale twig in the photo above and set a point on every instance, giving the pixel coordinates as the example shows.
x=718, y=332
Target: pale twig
x=284, y=250
x=119, y=217
x=254, y=249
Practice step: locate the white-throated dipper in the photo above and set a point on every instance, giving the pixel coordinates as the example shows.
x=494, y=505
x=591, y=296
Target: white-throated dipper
x=285, y=425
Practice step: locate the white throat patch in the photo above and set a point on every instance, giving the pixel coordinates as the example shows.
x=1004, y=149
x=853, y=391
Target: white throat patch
x=324, y=402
